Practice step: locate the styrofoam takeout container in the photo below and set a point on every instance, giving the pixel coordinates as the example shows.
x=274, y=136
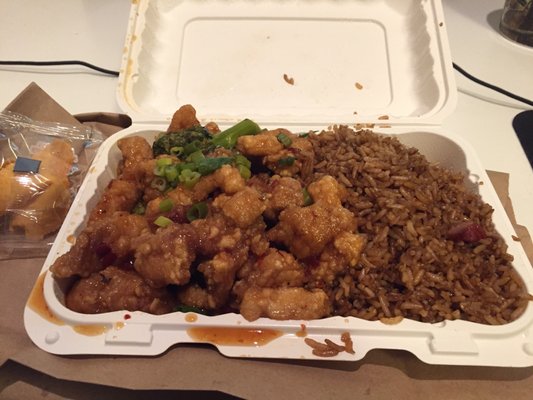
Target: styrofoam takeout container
x=228, y=58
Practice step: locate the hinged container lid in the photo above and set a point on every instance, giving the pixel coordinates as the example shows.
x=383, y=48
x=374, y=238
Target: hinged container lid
x=288, y=62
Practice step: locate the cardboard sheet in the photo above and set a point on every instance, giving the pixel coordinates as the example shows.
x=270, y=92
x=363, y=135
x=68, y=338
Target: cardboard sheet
x=201, y=367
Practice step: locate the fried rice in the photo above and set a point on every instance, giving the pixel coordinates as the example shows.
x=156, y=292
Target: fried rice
x=410, y=267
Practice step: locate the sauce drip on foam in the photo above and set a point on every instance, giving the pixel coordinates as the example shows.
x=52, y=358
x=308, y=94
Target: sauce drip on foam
x=191, y=317
x=37, y=303
x=303, y=331
x=234, y=336
x=90, y=330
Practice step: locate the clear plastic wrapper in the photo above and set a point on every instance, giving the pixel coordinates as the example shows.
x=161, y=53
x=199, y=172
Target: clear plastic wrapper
x=41, y=168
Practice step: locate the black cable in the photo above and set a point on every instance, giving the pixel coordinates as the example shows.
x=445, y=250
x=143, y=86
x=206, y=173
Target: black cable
x=116, y=73
x=491, y=86
x=65, y=62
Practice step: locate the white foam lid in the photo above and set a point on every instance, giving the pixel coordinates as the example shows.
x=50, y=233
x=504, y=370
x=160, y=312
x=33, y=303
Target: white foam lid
x=350, y=61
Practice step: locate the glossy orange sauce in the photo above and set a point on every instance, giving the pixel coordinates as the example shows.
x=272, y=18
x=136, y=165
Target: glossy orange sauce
x=38, y=304
x=90, y=330
x=234, y=336
x=302, y=332
x=191, y=317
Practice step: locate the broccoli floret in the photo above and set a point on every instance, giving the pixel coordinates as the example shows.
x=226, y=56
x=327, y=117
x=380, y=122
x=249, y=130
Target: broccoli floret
x=183, y=142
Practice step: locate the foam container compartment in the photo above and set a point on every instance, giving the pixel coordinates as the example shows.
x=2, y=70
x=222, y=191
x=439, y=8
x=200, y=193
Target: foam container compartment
x=228, y=58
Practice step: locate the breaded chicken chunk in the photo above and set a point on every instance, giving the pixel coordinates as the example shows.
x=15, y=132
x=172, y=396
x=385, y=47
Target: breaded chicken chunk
x=165, y=257
x=307, y=230
x=275, y=269
x=138, y=162
x=226, y=178
x=278, y=193
x=284, y=303
x=219, y=274
x=343, y=253
x=183, y=118
x=114, y=289
x=100, y=244
x=120, y=195
x=243, y=208
x=134, y=149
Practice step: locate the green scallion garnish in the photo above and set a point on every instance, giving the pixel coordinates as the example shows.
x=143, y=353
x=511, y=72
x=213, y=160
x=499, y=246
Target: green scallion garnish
x=284, y=139
x=159, y=183
x=139, y=208
x=244, y=171
x=166, y=205
x=163, y=162
x=171, y=173
x=196, y=157
x=308, y=200
x=286, y=161
x=162, y=222
x=241, y=160
x=197, y=211
x=189, y=178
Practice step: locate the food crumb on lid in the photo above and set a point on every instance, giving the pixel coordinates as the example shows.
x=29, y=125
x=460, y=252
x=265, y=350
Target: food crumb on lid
x=330, y=348
x=288, y=79
x=358, y=85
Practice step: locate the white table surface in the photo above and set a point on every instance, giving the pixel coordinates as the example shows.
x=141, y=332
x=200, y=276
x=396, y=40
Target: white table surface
x=94, y=30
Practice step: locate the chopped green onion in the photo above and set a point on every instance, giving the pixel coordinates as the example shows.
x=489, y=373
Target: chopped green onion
x=166, y=205
x=162, y=221
x=159, y=171
x=196, y=157
x=308, y=200
x=286, y=161
x=244, y=171
x=139, y=208
x=189, y=178
x=228, y=138
x=159, y=183
x=171, y=173
x=163, y=162
x=161, y=165
x=197, y=211
x=241, y=160
x=284, y=139
x=306, y=134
